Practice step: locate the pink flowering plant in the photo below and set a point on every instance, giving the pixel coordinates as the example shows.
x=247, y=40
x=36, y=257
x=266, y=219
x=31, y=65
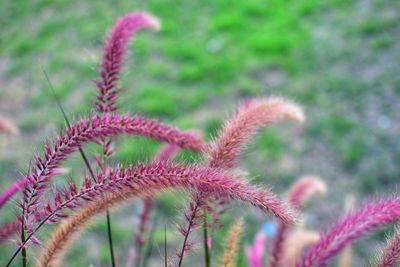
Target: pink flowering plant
x=211, y=184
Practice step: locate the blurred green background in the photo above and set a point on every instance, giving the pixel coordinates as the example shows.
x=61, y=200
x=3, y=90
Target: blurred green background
x=338, y=59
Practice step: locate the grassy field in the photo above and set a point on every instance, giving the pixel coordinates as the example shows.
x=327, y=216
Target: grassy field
x=339, y=59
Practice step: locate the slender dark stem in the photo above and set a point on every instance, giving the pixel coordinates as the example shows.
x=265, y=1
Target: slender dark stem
x=85, y=159
x=24, y=249
x=27, y=239
x=165, y=246
x=205, y=235
x=110, y=241
x=109, y=232
x=23, y=252
x=22, y=246
x=33, y=232
x=69, y=124
x=185, y=240
x=87, y=163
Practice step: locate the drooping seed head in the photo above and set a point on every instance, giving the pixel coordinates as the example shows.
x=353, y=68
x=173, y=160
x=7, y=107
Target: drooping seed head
x=113, y=56
x=389, y=256
x=350, y=228
x=247, y=120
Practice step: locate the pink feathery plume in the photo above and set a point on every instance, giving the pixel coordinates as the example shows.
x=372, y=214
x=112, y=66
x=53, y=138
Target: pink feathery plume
x=12, y=190
x=304, y=188
x=248, y=119
x=390, y=254
x=223, y=152
x=114, y=52
x=148, y=205
x=348, y=229
x=208, y=180
x=298, y=194
x=17, y=186
x=255, y=252
x=92, y=130
x=139, y=180
x=345, y=257
x=7, y=127
x=297, y=241
x=146, y=179
x=166, y=152
x=9, y=229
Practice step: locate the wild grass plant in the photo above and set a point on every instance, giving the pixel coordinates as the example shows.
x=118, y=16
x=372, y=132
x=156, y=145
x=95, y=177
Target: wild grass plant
x=212, y=183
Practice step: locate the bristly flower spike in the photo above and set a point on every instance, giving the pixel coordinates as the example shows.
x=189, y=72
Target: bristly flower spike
x=114, y=52
x=93, y=130
x=350, y=228
x=249, y=117
x=345, y=257
x=296, y=242
x=298, y=194
x=113, y=56
x=389, y=255
x=142, y=180
x=9, y=229
x=304, y=188
x=12, y=190
x=232, y=244
x=255, y=252
x=157, y=176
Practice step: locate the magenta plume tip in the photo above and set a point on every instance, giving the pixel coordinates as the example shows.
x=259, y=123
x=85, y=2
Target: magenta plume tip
x=350, y=228
x=114, y=53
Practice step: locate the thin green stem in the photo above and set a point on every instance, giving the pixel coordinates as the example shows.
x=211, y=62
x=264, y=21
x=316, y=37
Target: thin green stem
x=110, y=241
x=109, y=230
x=165, y=246
x=86, y=161
x=23, y=252
x=205, y=235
